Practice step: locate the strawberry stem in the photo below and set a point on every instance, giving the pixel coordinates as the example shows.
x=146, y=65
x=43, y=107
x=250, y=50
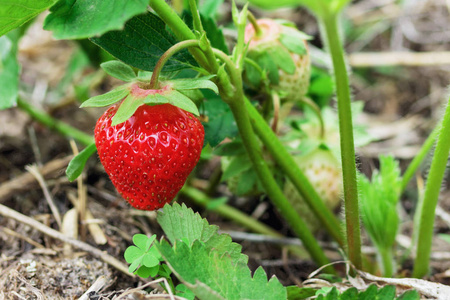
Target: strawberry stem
x=419, y=158
x=287, y=164
x=52, y=123
x=432, y=189
x=239, y=110
x=331, y=34
x=252, y=19
x=166, y=56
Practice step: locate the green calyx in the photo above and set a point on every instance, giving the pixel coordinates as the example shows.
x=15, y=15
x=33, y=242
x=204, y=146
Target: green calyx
x=275, y=52
x=135, y=93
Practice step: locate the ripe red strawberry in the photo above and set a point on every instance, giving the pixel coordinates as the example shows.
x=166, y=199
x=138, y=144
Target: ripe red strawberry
x=323, y=171
x=149, y=156
x=282, y=51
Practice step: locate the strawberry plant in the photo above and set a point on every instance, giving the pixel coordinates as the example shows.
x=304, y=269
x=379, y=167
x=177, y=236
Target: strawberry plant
x=186, y=95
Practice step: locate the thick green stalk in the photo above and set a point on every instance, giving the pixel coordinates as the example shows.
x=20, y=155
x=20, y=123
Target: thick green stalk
x=49, y=121
x=432, y=189
x=181, y=30
x=270, y=185
x=419, y=158
x=239, y=110
x=287, y=164
x=387, y=261
x=330, y=26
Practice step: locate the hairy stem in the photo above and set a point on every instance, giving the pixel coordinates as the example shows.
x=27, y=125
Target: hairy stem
x=419, y=158
x=330, y=26
x=238, y=108
x=287, y=164
x=166, y=56
x=50, y=122
x=432, y=189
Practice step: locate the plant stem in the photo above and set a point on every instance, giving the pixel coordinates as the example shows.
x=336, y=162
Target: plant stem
x=330, y=26
x=197, y=22
x=238, y=108
x=49, y=121
x=287, y=164
x=386, y=260
x=419, y=158
x=181, y=30
x=432, y=189
x=252, y=19
x=166, y=56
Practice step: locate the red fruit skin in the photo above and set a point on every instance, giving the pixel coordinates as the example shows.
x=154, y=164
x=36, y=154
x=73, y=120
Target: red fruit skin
x=149, y=157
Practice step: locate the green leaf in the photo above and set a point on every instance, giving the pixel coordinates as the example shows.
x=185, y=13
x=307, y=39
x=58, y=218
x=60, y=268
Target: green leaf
x=296, y=293
x=141, y=43
x=183, y=291
x=387, y=292
x=119, y=70
x=174, y=98
x=17, y=12
x=145, y=272
x=238, y=164
x=209, y=7
x=409, y=295
x=350, y=294
x=181, y=223
x=195, y=83
x=221, y=123
x=294, y=40
x=128, y=107
x=236, y=147
x=379, y=199
x=217, y=276
x=369, y=294
x=109, y=98
x=9, y=71
x=281, y=57
x=267, y=63
x=77, y=19
x=76, y=165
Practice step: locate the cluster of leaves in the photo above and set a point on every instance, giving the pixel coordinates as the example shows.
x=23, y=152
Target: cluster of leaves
x=209, y=264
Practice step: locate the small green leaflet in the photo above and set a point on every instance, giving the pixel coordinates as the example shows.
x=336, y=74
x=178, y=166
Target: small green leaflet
x=17, y=12
x=9, y=71
x=293, y=43
x=78, y=19
x=109, y=98
x=175, y=98
x=119, y=70
x=281, y=57
x=195, y=83
x=76, y=165
x=141, y=43
x=237, y=165
x=126, y=109
x=143, y=258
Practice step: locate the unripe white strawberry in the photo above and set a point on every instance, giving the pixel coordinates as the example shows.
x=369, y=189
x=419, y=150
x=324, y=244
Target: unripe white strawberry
x=282, y=51
x=323, y=171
